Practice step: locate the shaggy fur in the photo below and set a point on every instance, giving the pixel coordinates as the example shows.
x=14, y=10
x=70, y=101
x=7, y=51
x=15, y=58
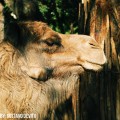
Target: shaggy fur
x=21, y=94
x=31, y=48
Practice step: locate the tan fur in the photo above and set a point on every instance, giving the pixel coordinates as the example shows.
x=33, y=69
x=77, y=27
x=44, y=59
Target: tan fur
x=64, y=55
x=18, y=90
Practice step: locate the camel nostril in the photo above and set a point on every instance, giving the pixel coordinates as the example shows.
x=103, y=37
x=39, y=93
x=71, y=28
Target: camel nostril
x=95, y=46
x=92, y=44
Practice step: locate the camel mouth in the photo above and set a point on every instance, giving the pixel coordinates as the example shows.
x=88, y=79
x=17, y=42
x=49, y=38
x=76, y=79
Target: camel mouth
x=95, y=63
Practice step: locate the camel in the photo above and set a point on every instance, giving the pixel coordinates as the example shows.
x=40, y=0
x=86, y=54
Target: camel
x=32, y=50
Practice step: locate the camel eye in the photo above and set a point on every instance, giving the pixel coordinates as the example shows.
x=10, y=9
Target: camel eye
x=52, y=42
x=49, y=43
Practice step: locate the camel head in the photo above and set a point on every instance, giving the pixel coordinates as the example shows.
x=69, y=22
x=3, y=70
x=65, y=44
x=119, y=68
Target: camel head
x=45, y=50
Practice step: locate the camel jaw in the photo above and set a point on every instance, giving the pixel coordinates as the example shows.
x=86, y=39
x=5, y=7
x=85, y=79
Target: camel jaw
x=92, y=66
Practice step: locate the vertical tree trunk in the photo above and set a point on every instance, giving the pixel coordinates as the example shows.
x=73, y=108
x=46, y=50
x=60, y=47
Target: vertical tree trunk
x=103, y=23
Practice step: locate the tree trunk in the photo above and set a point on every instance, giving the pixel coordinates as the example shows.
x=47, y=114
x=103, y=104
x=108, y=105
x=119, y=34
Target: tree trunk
x=103, y=23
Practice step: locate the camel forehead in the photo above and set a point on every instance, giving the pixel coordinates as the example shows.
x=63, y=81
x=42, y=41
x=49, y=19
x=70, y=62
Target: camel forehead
x=35, y=27
x=38, y=30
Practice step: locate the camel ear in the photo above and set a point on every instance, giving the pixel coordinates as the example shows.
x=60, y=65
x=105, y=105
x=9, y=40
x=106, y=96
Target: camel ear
x=12, y=33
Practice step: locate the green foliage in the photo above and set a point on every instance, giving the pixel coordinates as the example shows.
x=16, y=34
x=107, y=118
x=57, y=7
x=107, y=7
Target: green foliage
x=43, y=8
x=60, y=14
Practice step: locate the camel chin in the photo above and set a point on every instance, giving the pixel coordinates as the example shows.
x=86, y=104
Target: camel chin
x=92, y=66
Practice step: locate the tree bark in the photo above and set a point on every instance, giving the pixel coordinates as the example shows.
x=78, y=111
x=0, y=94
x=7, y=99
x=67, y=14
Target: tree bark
x=103, y=23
